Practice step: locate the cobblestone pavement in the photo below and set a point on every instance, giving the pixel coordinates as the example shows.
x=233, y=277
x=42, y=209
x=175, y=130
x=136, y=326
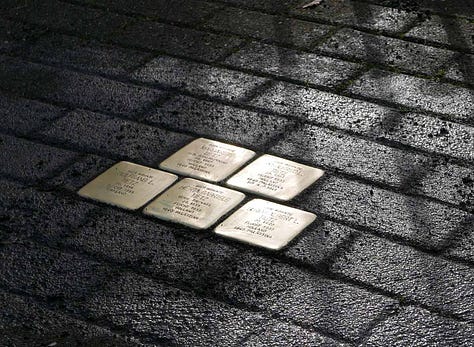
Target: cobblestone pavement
x=378, y=93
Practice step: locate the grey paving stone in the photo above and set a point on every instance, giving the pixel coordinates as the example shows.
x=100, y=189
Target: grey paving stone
x=29, y=161
x=23, y=116
x=226, y=123
x=456, y=32
x=58, y=15
x=319, y=242
x=461, y=69
x=199, y=79
x=424, y=95
x=81, y=172
x=453, y=7
x=374, y=121
x=411, y=274
x=276, y=333
x=342, y=12
x=404, y=171
x=224, y=272
x=179, y=11
x=30, y=213
x=87, y=55
x=421, y=222
x=121, y=139
x=23, y=322
x=50, y=274
x=172, y=316
x=359, y=14
x=75, y=89
x=269, y=28
x=417, y=327
x=170, y=39
x=387, y=51
x=305, y=67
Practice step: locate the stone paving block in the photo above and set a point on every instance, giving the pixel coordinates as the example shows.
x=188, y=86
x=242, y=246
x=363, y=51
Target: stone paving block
x=415, y=276
x=268, y=28
x=119, y=138
x=421, y=94
x=461, y=69
x=49, y=274
x=29, y=161
x=75, y=89
x=421, y=222
x=279, y=334
x=456, y=32
x=222, y=271
x=81, y=172
x=179, y=11
x=359, y=14
x=168, y=315
x=403, y=170
x=58, y=15
x=305, y=67
x=87, y=55
x=199, y=79
x=213, y=120
x=24, y=322
x=31, y=213
x=417, y=327
x=369, y=119
x=463, y=246
x=22, y=116
x=319, y=242
x=170, y=39
x=387, y=51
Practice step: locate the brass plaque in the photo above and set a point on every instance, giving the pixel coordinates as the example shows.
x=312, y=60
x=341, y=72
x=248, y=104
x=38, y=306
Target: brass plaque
x=265, y=224
x=207, y=159
x=194, y=203
x=275, y=177
x=127, y=185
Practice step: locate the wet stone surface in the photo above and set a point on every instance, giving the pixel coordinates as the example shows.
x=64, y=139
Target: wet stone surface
x=378, y=94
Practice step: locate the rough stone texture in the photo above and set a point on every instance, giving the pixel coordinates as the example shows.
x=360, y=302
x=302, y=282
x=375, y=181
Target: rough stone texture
x=181, y=11
x=408, y=273
x=304, y=67
x=418, y=327
x=422, y=222
x=118, y=138
x=388, y=261
x=176, y=40
x=75, y=89
x=87, y=55
x=29, y=161
x=24, y=116
x=456, y=32
x=368, y=119
x=404, y=55
x=208, y=119
x=24, y=322
x=268, y=28
x=199, y=79
x=417, y=93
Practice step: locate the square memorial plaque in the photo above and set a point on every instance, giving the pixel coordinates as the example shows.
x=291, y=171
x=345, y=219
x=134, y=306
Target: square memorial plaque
x=275, y=177
x=208, y=160
x=194, y=203
x=127, y=185
x=265, y=224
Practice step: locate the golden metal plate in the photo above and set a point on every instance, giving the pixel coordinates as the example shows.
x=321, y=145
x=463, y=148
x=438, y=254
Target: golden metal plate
x=275, y=177
x=194, y=203
x=206, y=159
x=265, y=224
x=127, y=185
